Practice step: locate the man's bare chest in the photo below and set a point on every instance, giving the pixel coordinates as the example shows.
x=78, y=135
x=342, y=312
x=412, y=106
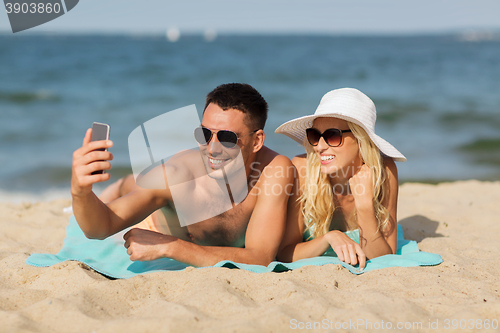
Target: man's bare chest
x=225, y=229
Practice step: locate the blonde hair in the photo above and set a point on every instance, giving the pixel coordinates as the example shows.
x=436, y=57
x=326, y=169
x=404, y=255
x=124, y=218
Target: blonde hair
x=317, y=199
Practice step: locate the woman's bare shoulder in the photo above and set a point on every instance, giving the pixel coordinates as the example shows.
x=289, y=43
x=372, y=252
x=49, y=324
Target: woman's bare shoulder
x=390, y=167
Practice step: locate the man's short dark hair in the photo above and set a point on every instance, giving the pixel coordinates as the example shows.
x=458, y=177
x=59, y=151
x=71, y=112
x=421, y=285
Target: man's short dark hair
x=242, y=97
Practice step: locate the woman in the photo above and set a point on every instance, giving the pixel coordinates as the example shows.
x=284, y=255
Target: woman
x=347, y=183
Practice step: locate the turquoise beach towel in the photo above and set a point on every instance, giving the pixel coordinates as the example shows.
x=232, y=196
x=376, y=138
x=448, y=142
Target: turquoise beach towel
x=109, y=257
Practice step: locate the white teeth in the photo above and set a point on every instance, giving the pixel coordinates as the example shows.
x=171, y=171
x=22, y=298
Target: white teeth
x=327, y=158
x=216, y=162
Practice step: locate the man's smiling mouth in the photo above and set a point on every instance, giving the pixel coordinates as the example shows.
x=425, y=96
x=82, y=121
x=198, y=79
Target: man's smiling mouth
x=216, y=163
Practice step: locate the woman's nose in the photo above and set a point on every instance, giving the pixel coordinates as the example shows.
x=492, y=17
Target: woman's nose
x=322, y=145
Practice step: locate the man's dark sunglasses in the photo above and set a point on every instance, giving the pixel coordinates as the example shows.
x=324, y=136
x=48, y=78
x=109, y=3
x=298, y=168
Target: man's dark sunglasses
x=332, y=136
x=228, y=139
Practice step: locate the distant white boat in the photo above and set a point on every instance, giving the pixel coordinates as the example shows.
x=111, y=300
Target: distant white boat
x=479, y=36
x=210, y=35
x=173, y=34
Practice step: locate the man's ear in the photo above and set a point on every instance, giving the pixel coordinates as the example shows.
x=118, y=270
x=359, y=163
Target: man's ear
x=258, y=140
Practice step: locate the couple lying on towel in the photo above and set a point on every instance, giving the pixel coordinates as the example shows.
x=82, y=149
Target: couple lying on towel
x=286, y=210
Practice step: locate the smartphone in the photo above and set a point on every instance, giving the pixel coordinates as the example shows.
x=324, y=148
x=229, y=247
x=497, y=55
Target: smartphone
x=100, y=132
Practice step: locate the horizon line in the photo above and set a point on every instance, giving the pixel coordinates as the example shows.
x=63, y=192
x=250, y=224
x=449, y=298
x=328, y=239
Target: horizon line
x=493, y=32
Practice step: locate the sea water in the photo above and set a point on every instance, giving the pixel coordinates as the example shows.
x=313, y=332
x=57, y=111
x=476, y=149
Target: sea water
x=437, y=97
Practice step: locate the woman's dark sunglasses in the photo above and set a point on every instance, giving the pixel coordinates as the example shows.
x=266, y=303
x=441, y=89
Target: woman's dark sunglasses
x=228, y=139
x=332, y=136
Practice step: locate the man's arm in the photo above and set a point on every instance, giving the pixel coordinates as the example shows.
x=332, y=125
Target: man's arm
x=96, y=219
x=263, y=236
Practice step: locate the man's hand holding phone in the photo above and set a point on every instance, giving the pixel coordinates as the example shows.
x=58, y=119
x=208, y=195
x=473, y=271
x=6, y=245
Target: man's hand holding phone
x=89, y=161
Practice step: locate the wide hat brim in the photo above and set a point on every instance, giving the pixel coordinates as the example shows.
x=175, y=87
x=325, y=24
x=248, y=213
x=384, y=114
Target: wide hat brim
x=296, y=129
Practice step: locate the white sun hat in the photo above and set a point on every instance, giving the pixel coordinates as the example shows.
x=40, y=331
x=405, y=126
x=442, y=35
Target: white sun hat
x=348, y=104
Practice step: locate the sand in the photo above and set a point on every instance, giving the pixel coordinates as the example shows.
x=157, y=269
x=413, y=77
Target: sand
x=460, y=221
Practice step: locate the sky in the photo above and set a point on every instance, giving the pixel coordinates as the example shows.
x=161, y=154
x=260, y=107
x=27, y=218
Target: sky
x=273, y=16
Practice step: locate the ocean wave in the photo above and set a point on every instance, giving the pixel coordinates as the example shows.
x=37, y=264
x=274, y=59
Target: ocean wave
x=22, y=97
x=37, y=180
x=454, y=119
x=26, y=196
x=483, y=151
x=482, y=145
x=390, y=111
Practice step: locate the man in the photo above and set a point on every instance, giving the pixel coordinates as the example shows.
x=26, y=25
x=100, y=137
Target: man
x=249, y=232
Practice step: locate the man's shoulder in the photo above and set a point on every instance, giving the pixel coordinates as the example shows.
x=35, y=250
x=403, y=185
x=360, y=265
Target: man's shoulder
x=277, y=168
x=182, y=158
x=300, y=160
x=300, y=164
x=272, y=159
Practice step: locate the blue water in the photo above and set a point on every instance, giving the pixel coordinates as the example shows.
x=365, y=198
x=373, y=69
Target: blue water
x=437, y=97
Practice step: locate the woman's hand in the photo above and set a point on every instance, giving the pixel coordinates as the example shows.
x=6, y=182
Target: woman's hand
x=346, y=249
x=361, y=185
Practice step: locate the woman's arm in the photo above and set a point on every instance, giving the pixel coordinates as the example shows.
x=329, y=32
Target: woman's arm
x=375, y=243
x=293, y=248
x=391, y=203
